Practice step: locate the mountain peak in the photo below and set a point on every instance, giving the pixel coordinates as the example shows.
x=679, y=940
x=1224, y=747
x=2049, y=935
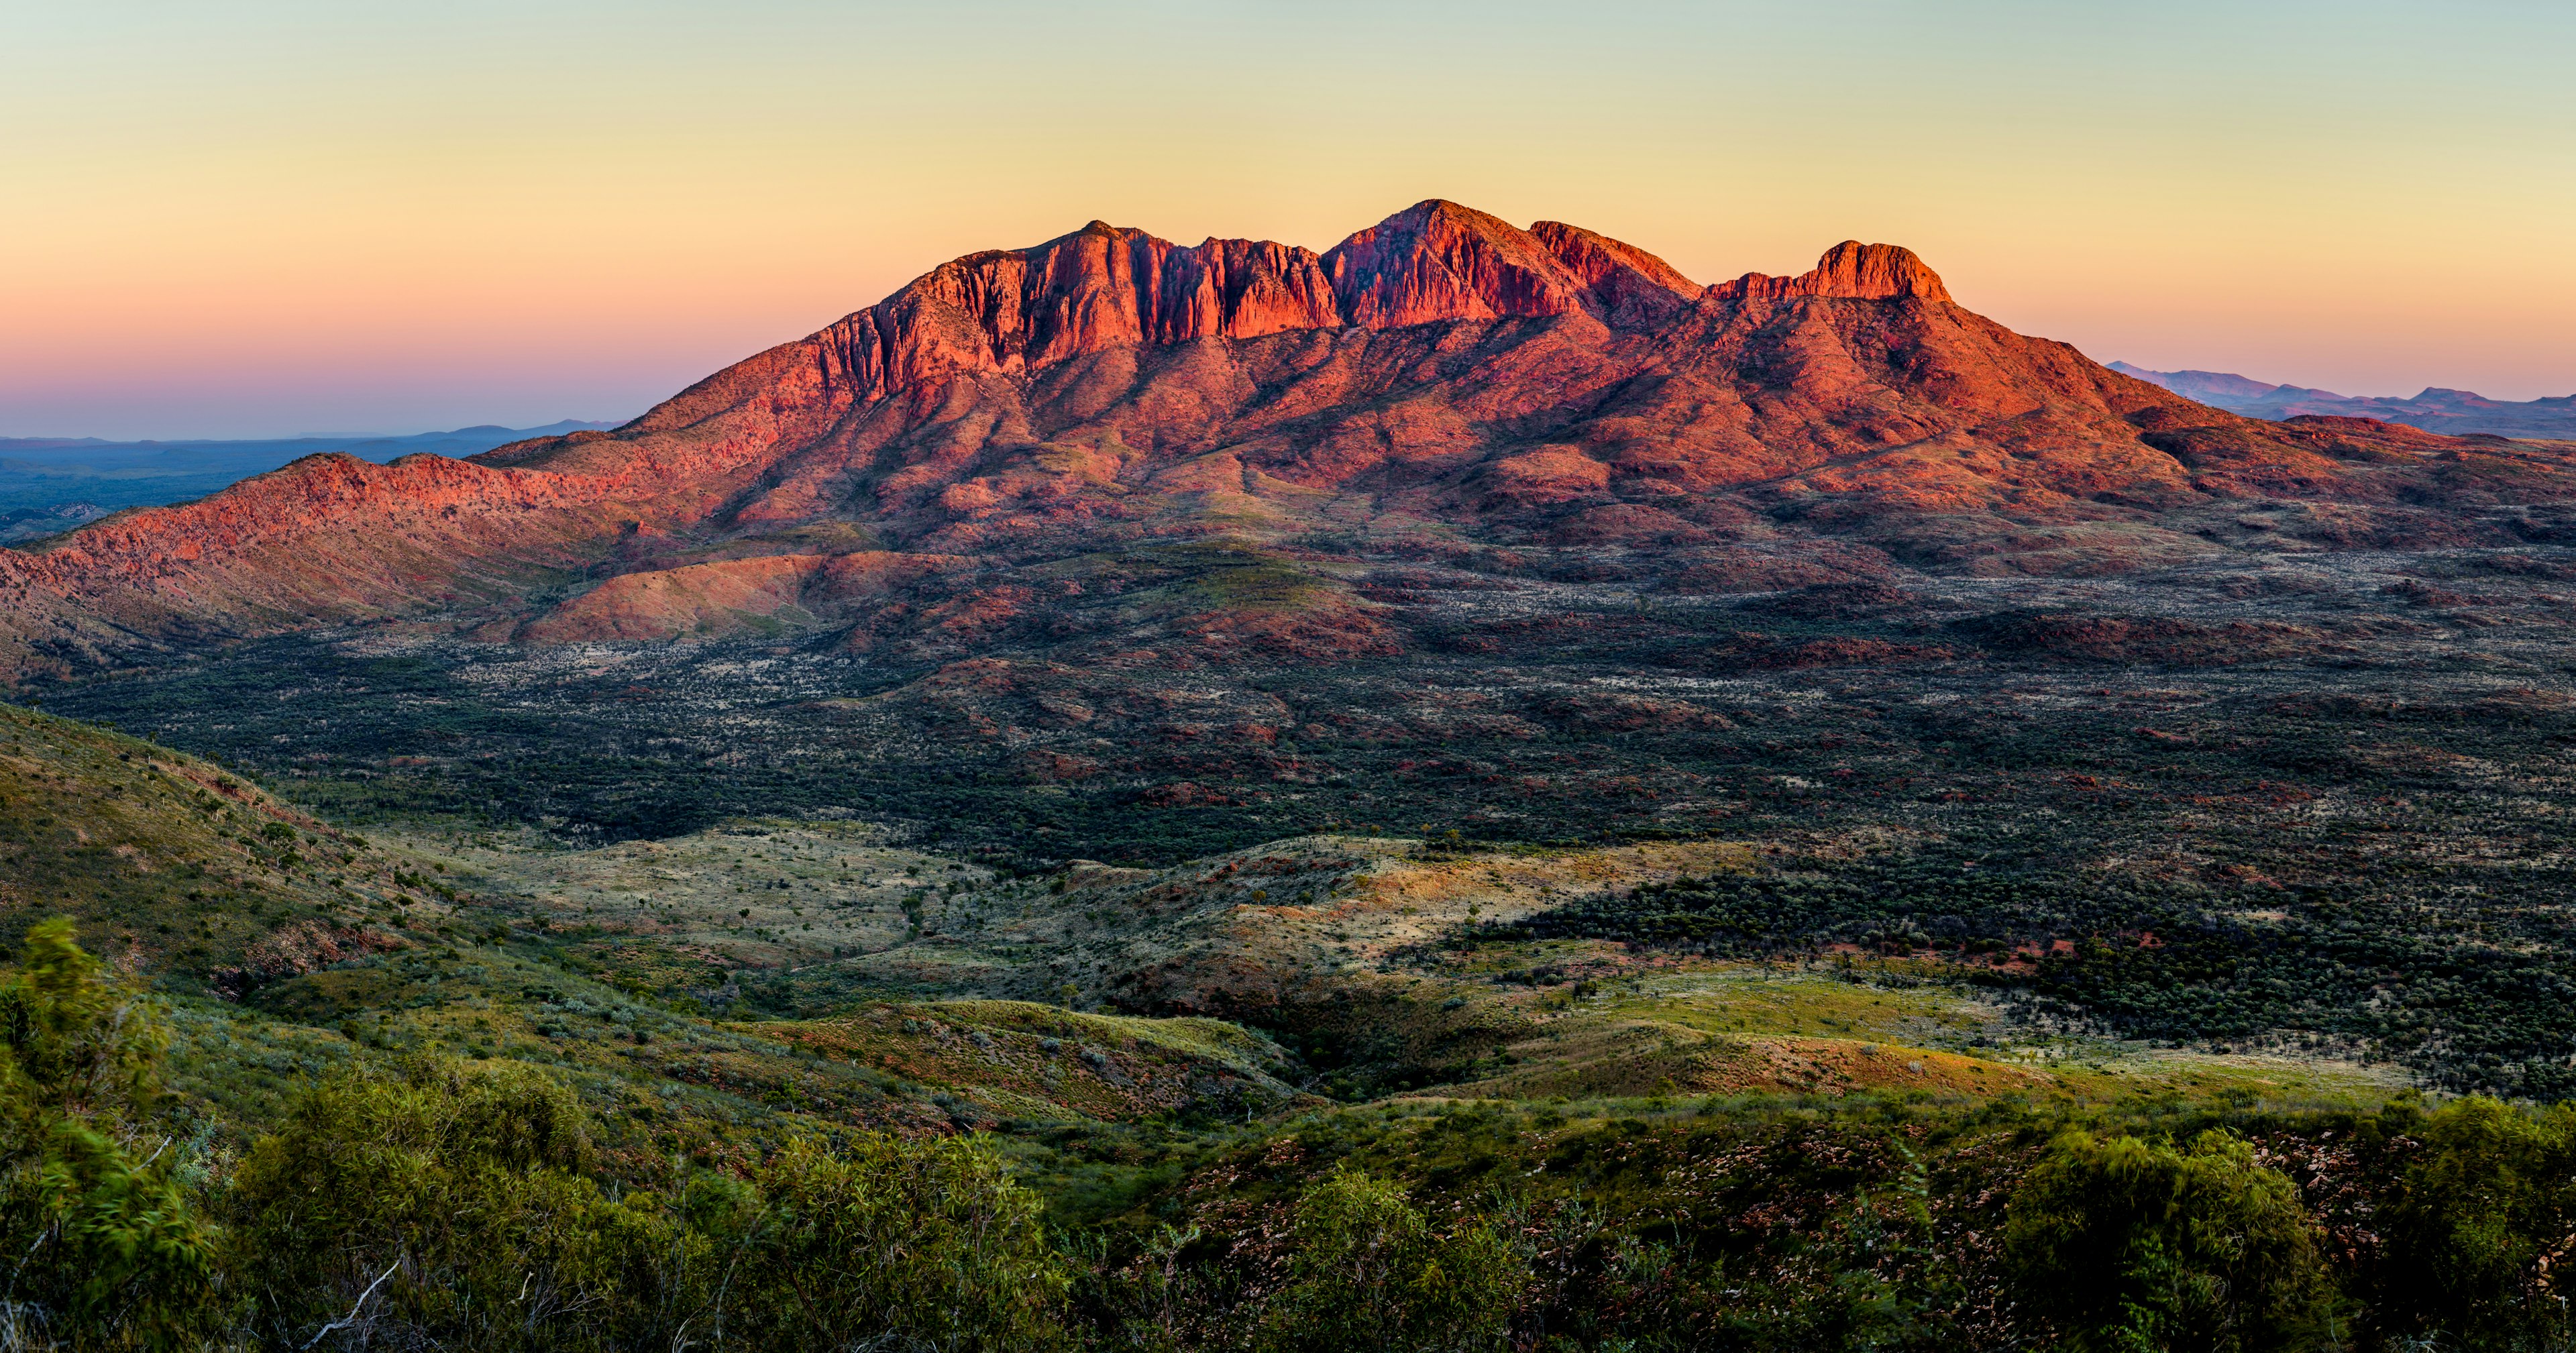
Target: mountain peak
x=1436, y=260
x=1850, y=270
x=1014, y=312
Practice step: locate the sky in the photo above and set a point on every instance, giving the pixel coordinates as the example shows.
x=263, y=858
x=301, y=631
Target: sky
x=270, y=217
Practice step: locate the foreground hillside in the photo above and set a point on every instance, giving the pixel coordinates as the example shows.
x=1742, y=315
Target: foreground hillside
x=174, y=864
x=599, y=1098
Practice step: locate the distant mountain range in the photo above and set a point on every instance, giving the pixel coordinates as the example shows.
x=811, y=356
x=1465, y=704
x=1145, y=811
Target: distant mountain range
x=50, y=484
x=2457, y=413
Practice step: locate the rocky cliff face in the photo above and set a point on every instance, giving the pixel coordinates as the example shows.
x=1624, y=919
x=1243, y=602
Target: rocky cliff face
x=1849, y=271
x=1442, y=370
x=1019, y=312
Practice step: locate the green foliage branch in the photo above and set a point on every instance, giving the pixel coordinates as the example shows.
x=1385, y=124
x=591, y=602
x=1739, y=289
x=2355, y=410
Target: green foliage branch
x=104, y=1246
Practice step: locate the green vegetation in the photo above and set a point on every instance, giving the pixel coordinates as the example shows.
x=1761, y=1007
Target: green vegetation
x=411, y=1197
x=2469, y=988
x=924, y=1245
x=1976, y=1026
x=2470, y=1254
x=100, y=1223
x=1368, y=1272
x=2128, y=1244
x=450, y=1202
x=467, y=1204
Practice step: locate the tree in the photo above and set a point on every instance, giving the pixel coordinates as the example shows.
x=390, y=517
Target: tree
x=1369, y=1272
x=2128, y=1245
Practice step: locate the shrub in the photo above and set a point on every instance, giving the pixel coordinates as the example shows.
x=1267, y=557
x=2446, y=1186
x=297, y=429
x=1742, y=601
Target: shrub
x=445, y=1203
x=2128, y=1245
x=1369, y=1273
x=105, y=1250
x=2478, y=1230
x=898, y=1245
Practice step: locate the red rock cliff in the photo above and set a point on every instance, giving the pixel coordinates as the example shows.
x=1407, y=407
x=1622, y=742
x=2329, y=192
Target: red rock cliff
x=1848, y=271
x=1014, y=312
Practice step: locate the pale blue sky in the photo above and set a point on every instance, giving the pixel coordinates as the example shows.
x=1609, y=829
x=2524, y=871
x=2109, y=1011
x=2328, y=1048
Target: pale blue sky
x=262, y=218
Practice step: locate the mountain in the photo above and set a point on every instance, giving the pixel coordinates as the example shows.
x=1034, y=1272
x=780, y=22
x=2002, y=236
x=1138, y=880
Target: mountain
x=39, y=475
x=1442, y=360
x=1119, y=549
x=2459, y=413
x=1441, y=374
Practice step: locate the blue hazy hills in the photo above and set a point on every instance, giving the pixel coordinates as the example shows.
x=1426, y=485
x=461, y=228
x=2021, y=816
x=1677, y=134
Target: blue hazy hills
x=2455, y=413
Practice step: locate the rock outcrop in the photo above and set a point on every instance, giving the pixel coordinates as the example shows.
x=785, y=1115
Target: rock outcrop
x=1850, y=271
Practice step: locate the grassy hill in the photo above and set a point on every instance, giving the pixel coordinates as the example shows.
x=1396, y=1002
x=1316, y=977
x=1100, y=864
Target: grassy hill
x=180, y=868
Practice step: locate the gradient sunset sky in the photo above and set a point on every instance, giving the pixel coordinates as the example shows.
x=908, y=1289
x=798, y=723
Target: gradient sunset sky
x=268, y=217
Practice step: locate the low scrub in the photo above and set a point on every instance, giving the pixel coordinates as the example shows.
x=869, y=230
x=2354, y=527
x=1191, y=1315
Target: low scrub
x=425, y=1201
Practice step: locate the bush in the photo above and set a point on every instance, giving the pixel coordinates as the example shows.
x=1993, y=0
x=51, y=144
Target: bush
x=2478, y=1230
x=107, y=1251
x=445, y=1203
x=1369, y=1273
x=898, y=1245
x=2128, y=1245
